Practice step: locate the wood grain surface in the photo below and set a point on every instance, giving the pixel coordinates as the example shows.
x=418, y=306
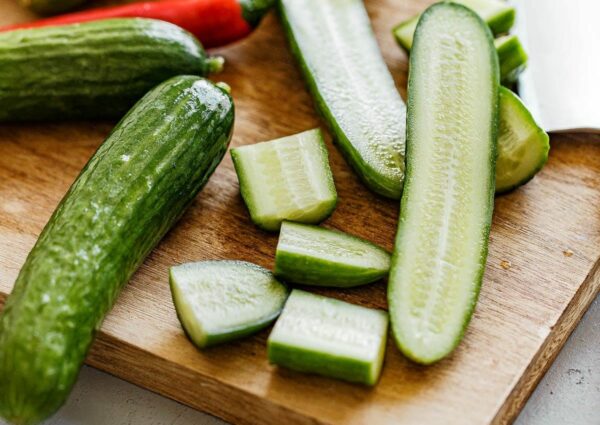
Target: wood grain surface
x=542, y=270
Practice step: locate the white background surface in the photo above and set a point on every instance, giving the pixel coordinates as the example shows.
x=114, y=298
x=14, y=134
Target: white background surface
x=569, y=394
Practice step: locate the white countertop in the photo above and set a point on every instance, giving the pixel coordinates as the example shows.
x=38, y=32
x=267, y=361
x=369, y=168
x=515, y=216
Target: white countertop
x=568, y=394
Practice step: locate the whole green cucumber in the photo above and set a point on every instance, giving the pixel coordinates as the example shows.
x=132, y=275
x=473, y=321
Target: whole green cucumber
x=92, y=70
x=127, y=197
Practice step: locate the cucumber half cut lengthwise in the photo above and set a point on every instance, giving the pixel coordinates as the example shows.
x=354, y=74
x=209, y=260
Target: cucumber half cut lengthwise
x=446, y=208
x=286, y=179
x=218, y=301
x=352, y=86
x=321, y=335
x=132, y=190
x=522, y=145
x=313, y=255
x=498, y=14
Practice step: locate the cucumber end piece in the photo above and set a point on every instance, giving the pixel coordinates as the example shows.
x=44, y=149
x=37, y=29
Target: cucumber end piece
x=219, y=301
x=523, y=146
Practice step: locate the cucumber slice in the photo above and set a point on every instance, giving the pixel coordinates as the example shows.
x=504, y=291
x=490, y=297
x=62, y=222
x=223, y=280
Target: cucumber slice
x=353, y=88
x=522, y=145
x=446, y=208
x=312, y=255
x=329, y=337
x=286, y=179
x=499, y=16
x=512, y=58
x=218, y=301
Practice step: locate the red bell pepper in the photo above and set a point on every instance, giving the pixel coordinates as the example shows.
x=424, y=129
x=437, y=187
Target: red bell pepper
x=213, y=22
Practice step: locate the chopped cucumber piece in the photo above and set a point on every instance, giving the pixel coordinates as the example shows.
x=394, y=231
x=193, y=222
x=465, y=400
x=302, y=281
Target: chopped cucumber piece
x=522, y=145
x=218, y=301
x=286, y=179
x=352, y=86
x=511, y=54
x=512, y=57
x=329, y=337
x=499, y=16
x=314, y=255
x=446, y=208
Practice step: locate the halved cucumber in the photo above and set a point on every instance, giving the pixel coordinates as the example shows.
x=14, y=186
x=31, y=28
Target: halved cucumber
x=218, y=301
x=522, y=145
x=314, y=255
x=352, y=86
x=446, y=209
x=511, y=56
x=499, y=16
x=286, y=179
x=329, y=337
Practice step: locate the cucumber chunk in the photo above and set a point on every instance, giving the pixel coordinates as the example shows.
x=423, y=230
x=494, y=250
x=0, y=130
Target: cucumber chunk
x=522, y=145
x=218, y=301
x=499, y=16
x=446, y=209
x=329, y=337
x=511, y=54
x=286, y=179
x=512, y=58
x=314, y=255
x=352, y=86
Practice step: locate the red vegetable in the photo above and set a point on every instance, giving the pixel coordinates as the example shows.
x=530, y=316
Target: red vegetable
x=213, y=22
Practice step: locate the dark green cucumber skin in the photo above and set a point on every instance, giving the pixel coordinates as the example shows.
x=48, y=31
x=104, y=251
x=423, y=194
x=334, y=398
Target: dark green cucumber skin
x=307, y=361
x=49, y=7
x=129, y=194
x=254, y=10
x=305, y=270
x=91, y=70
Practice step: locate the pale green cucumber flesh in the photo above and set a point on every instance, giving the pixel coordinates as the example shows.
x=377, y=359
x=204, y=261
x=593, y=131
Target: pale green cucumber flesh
x=313, y=255
x=446, y=208
x=218, y=301
x=321, y=335
x=286, y=179
x=352, y=86
x=522, y=145
x=511, y=56
x=499, y=16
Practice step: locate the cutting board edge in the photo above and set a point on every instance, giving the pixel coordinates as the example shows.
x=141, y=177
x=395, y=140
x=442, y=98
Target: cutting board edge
x=121, y=359
x=551, y=347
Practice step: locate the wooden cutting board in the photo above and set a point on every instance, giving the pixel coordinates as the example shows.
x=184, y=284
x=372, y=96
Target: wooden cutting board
x=542, y=269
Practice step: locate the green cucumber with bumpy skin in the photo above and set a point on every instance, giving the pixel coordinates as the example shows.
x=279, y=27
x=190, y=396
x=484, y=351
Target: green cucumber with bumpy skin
x=286, y=179
x=313, y=255
x=219, y=301
x=130, y=193
x=446, y=209
x=352, y=86
x=522, y=145
x=321, y=335
x=92, y=70
x=499, y=16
